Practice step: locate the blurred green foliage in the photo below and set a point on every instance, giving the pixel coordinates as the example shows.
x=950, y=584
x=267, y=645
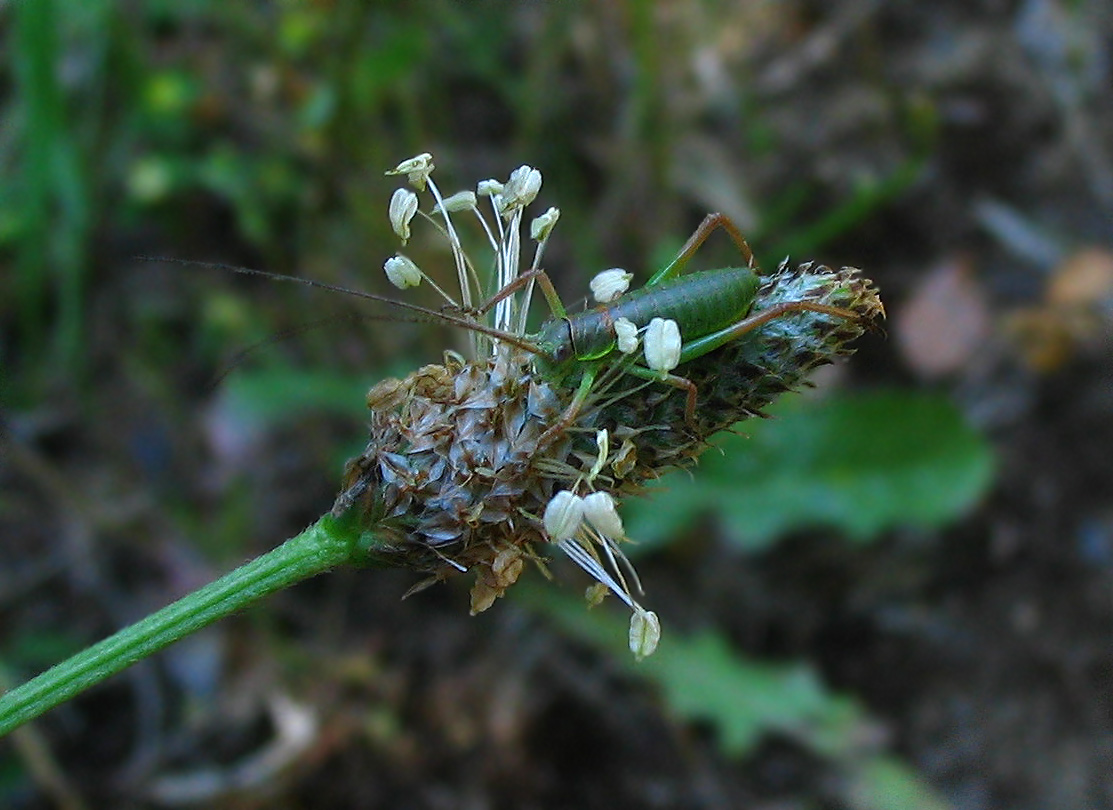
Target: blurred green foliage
x=703, y=679
x=862, y=464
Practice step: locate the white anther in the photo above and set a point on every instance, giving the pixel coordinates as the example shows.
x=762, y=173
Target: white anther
x=543, y=225
x=417, y=169
x=627, y=334
x=460, y=201
x=662, y=345
x=489, y=188
x=403, y=207
x=645, y=632
x=402, y=272
x=563, y=515
x=595, y=594
x=600, y=512
x=610, y=284
x=603, y=442
x=520, y=189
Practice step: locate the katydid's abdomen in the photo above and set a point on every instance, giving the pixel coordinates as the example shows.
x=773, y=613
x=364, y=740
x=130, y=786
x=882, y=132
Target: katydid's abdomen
x=700, y=303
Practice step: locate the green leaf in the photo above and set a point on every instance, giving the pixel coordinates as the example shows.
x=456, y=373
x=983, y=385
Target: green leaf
x=702, y=679
x=862, y=464
x=272, y=397
x=886, y=783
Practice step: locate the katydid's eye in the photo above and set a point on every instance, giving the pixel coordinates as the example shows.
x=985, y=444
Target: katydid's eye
x=560, y=353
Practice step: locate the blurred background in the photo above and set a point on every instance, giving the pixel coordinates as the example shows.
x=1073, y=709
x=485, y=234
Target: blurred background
x=897, y=594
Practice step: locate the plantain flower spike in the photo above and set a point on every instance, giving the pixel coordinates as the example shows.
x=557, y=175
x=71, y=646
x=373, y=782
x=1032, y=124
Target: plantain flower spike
x=482, y=464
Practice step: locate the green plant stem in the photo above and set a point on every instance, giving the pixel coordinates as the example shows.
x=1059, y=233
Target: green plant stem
x=322, y=546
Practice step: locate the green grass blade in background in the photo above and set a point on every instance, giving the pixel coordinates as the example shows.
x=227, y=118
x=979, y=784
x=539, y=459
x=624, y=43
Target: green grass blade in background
x=52, y=185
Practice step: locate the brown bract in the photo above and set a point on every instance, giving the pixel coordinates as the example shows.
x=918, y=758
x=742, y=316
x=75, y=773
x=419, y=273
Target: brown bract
x=450, y=476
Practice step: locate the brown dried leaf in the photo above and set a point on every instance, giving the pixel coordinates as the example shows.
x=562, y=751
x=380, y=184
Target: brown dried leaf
x=1084, y=279
x=945, y=322
x=1075, y=315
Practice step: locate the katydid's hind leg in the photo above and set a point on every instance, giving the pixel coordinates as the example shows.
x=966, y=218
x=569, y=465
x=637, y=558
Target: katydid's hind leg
x=676, y=381
x=708, y=343
x=705, y=229
x=690, y=403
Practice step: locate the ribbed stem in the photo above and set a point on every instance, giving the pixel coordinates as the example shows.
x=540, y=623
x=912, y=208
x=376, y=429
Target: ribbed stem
x=322, y=546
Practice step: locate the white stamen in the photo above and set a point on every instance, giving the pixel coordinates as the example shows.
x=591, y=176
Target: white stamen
x=610, y=284
x=460, y=201
x=645, y=632
x=520, y=190
x=543, y=225
x=662, y=345
x=457, y=256
x=563, y=516
x=489, y=188
x=508, y=260
x=599, y=509
x=402, y=272
x=627, y=334
x=603, y=442
x=403, y=207
x=417, y=170
x=583, y=558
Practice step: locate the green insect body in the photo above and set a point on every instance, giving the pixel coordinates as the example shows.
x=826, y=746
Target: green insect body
x=701, y=303
x=711, y=309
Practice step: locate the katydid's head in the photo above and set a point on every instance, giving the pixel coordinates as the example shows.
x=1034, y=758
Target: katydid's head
x=554, y=344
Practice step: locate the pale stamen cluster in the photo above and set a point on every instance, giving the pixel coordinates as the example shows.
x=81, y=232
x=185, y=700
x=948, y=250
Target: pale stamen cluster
x=508, y=202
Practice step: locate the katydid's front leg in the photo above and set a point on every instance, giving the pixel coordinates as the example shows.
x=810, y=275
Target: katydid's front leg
x=705, y=229
x=528, y=277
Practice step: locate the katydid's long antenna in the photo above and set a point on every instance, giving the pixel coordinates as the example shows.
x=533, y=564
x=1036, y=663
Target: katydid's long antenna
x=441, y=317
x=231, y=364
